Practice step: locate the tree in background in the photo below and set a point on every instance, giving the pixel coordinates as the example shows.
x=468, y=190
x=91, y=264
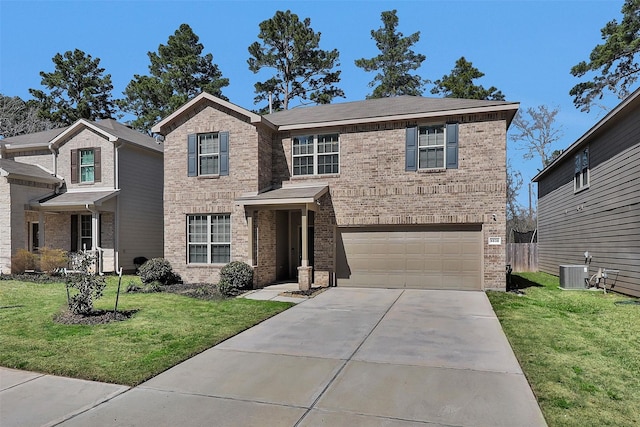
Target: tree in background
x=18, y=117
x=536, y=132
x=302, y=69
x=179, y=71
x=77, y=89
x=619, y=50
x=459, y=84
x=395, y=61
x=519, y=219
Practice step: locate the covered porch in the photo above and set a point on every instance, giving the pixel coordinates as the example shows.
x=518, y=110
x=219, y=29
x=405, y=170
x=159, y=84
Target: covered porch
x=281, y=227
x=75, y=221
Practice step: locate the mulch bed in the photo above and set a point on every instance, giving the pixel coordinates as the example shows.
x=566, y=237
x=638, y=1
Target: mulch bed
x=96, y=317
x=308, y=293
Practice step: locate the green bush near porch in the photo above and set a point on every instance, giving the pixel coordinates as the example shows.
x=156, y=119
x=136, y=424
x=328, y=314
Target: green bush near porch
x=166, y=329
x=580, y=350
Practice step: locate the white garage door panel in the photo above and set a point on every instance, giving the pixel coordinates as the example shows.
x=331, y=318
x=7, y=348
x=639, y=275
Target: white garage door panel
x=410, y=258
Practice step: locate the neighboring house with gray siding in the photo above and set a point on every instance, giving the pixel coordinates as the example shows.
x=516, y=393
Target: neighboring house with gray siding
x=589, y=200
x=403, y=192
x=91, y=185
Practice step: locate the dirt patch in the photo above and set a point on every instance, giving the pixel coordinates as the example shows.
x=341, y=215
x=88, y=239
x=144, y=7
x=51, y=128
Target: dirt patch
x=310, y=293
x=96, y=317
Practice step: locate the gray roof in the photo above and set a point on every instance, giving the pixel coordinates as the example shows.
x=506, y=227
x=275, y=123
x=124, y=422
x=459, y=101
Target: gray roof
x=285, y=195
x=381, y=108
x=12, y=168
x=33, y=140
x=630, y=103
x=110, y=126
x=77, y=198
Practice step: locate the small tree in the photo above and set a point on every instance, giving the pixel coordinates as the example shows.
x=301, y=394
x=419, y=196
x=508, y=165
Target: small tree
x=537, y=132
x=88, y=285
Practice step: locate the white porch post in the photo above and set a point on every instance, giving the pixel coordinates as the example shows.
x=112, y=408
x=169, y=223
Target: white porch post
x=94, y=230
x=252, y=261
x=305, y=237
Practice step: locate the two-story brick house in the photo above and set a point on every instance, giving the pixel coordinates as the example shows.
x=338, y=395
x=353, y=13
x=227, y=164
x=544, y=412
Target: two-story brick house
x=91, y=185
x=394, y=192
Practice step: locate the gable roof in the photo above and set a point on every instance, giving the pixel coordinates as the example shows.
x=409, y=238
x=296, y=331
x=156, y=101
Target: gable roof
x=403, y=107
x=164, y=125
x=12, y=169
x=371, y=110
x=32, y=140
x=628, y=104
x=109, y=128
x=112, y=131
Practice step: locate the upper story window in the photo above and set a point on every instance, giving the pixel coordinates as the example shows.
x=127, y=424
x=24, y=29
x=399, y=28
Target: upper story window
x=85, y=165
x=208, y=154
x=431, y=147
x=316, y=154
x=581, y=174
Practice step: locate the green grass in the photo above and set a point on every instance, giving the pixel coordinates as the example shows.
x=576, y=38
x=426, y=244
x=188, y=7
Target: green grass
x=166, y=330
x=579, y=350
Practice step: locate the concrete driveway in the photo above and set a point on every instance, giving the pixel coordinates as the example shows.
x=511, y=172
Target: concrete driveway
x=348, y=357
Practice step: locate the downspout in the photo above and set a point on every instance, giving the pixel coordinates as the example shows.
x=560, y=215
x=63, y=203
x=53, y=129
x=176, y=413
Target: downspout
x=95, y=230
x=55, y=169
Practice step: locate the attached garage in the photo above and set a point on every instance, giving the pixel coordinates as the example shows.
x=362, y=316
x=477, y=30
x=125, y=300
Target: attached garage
x=410, y=257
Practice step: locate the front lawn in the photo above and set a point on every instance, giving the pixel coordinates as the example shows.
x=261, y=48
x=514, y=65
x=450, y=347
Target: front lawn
x=580, y=350
x=165, y=330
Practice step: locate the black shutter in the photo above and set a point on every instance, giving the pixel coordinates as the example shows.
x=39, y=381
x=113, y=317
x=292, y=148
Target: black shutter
x=74, y=166
x=411, y=149
x=452, y=146
x=192, y=155
x=224, y=153
x=74, y=233
x=97, y=169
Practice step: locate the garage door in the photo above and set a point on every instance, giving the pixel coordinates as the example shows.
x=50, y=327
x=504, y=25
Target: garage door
x=421, y=258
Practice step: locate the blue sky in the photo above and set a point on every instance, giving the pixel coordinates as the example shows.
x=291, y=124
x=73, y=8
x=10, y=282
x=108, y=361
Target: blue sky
x=525, y=48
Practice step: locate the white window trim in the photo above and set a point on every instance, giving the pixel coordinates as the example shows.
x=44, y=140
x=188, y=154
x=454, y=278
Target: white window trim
x=315, y=155
x=81, y=166
x=216, y=155
x=209, y=241
x=426, y=147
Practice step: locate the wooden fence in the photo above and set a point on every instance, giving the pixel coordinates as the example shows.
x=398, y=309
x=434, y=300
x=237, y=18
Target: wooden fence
x=522, y=256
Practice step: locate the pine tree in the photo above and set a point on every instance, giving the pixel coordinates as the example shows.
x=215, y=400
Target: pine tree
x=302, y=69
x=459, y=84
x=395, y=61
x=77, y=89
x=178, y=72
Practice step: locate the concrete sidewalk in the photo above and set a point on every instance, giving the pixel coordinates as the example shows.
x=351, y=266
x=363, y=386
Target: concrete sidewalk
x=348, y=357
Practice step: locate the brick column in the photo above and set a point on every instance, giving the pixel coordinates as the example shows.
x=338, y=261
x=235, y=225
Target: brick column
x=304, y=278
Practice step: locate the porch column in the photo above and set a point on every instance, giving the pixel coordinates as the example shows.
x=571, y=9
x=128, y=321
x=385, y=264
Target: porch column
x=304, y=271
x=251, y=261
x=41, y=241
x=94, y=230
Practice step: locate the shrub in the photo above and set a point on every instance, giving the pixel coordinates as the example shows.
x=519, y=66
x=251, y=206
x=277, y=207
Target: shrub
x=23, y=260
x=158, y=270
x=89, y=286
x=52, y=259
x=234, y=278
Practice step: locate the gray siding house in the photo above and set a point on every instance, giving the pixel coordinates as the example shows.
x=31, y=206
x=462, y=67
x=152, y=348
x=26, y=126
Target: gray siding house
x=589, y=200
x=91, y=185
